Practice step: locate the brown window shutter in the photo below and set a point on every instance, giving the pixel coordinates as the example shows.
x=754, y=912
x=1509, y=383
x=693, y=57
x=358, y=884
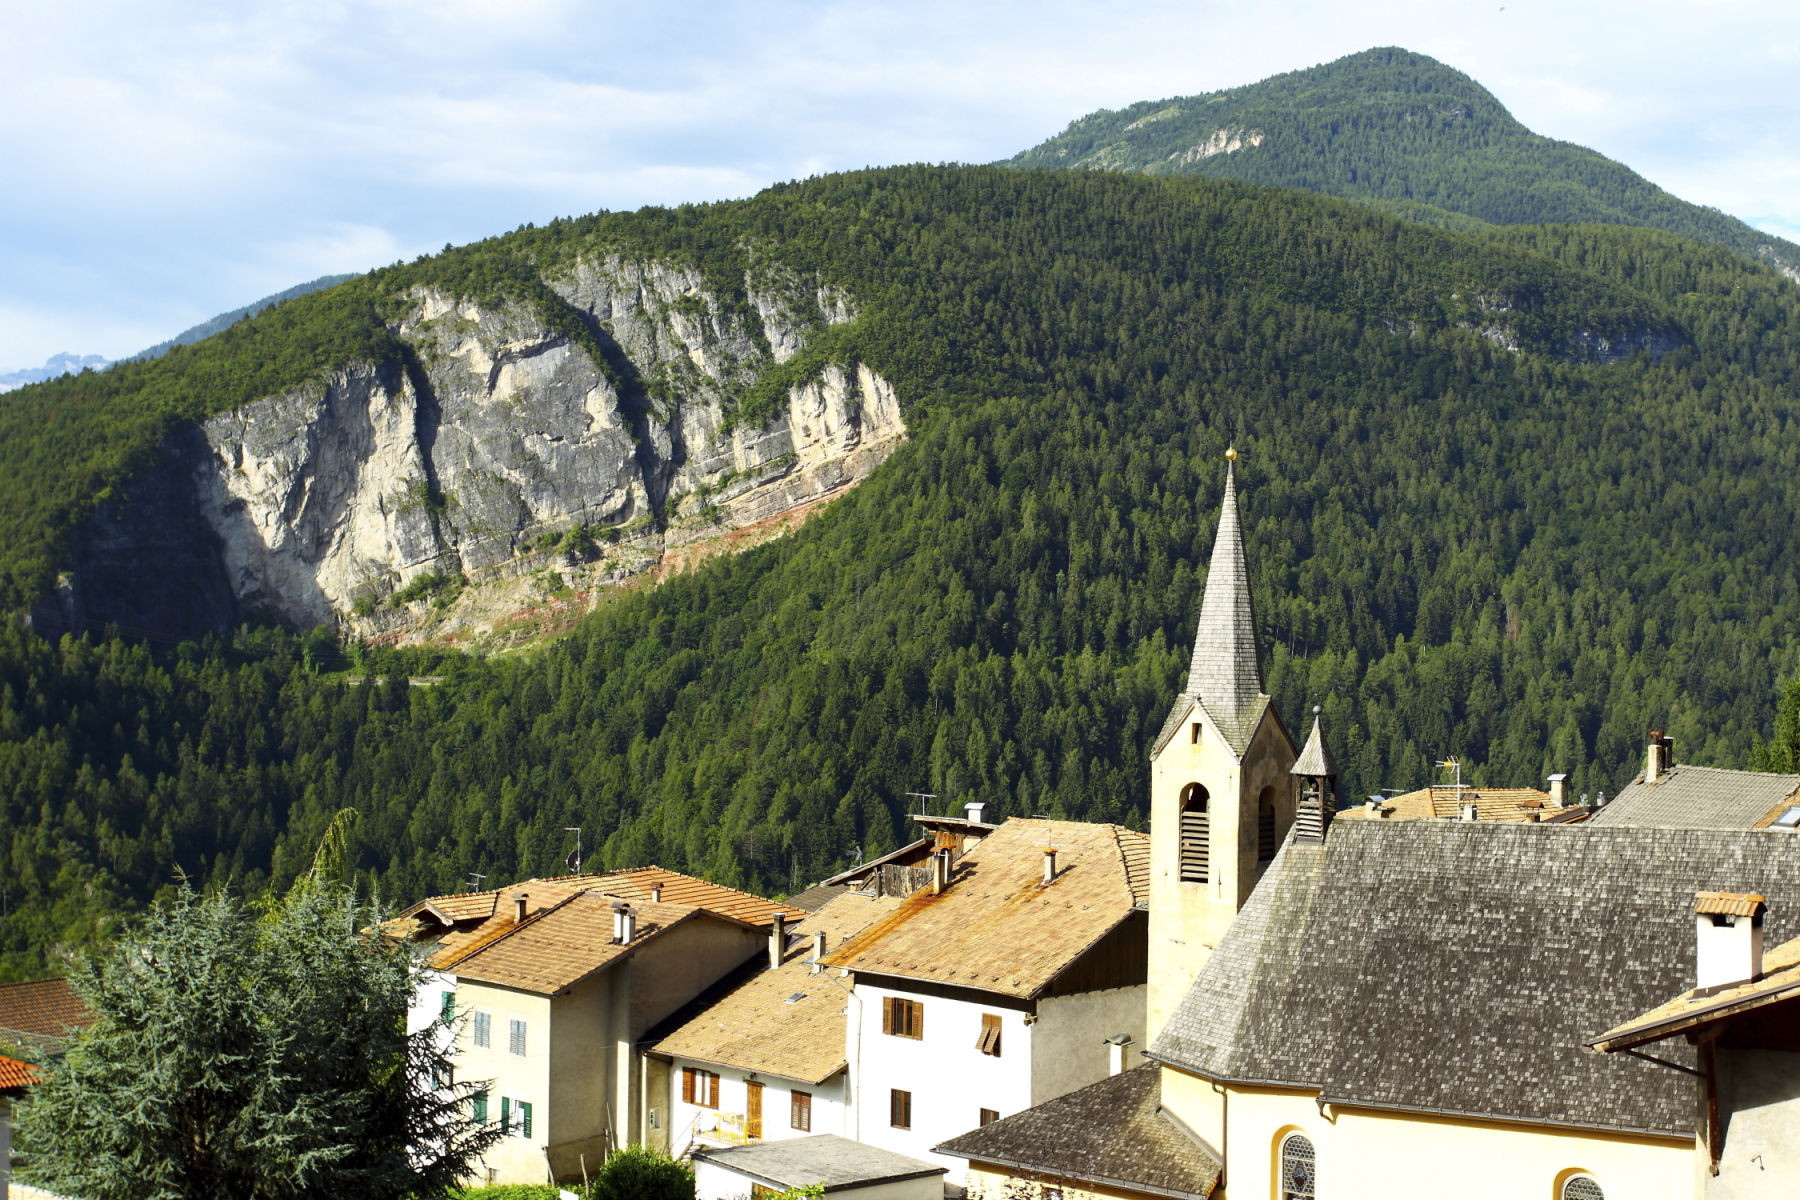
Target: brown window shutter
x=800, y=1111
x=989, y=1042
x=687, y=1085
x=712, y=1089
x=887, y=1014
x=753, y=1093
x=917, y=1023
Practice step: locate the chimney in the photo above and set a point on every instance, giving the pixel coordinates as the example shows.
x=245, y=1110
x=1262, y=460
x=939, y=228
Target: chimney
x=972, y=810
x=1559, y=790
x=1728, y=939
x=624, y=923
x=1116, y=1047
x=1658, y=756
x=518, y=900
x=818, y=950
x=656, y=893
x=1049, y=865
x=940, y=872
x=1372, y=805
x=1466, y=811
x=777, y=941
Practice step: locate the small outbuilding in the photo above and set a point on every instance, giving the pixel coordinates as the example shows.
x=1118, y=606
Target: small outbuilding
x=847, y=1170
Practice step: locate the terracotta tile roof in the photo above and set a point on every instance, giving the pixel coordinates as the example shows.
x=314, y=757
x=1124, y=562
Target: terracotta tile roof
x=15, y=1075
x=634, y=884
x=1112, y=1134
x=749, y=1024
x=1491, y=804
x=1779, y=982
x=1728, y=904
x=996, y=927
x=554, y=948
x=43, y=1008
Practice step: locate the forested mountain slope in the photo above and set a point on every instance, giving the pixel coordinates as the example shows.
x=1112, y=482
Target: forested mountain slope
x=1402, y=132
x=1513, y=497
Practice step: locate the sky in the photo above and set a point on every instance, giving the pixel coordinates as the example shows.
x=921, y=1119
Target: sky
x=170, y=161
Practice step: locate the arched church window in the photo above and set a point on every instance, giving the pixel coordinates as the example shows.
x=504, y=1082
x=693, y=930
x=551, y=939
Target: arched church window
x=1582, y=1187
x=1265, y=826
x=1298, y=1168
x=1196, y=835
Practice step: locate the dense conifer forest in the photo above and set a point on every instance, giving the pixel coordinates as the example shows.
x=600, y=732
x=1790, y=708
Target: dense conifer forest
x=1512, y=495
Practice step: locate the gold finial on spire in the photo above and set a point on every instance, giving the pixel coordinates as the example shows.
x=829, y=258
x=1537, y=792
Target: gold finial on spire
x=1231, y=453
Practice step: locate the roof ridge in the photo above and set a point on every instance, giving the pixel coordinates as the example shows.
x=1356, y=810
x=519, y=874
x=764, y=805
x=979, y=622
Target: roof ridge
x=529, y=921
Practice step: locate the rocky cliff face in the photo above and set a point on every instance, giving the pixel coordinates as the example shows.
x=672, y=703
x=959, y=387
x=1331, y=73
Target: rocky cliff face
x=504, y=433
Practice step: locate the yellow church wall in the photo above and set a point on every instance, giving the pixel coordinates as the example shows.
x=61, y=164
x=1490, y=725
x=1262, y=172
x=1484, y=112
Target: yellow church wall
x=1187, y=920
x=990, y=1182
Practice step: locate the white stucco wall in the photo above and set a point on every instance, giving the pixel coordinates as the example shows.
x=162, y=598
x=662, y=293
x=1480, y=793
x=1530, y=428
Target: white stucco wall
x=1759, y=1093
x=828, y=1115
x=515, y=1159
x=715, y=1182
x=950, y=1080
x=1068, y=1043
x=1368, y=1153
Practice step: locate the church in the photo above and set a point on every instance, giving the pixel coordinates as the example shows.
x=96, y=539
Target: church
x=1369, y=1008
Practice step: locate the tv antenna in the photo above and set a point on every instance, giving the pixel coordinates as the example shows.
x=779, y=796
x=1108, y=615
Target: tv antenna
x=574, y=859
x=922, y=796
x=475, y=879
x=1453, y=763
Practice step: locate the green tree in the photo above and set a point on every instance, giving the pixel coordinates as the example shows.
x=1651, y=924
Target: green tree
x=642, y=1173
x=1782, y=751
x=253, y=1057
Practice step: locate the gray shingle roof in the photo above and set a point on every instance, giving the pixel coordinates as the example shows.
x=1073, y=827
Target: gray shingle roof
x=1315, y=759
x=824, y=1158
x=1690, y=797
x=1458, y=967
x=1109, y=1133
x=1226, y=671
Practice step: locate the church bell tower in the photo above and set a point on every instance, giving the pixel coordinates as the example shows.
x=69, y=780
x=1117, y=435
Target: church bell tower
x=1222, y=797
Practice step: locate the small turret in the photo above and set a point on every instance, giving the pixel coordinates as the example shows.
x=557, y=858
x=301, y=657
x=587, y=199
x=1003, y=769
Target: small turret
x=1318, y=786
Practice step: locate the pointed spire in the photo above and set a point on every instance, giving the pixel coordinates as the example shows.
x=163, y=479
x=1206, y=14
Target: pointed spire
x=1226, y=674
x=1315, y=760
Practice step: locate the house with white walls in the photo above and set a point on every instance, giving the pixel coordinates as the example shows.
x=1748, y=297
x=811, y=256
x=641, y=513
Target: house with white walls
x=762, y=1055
x=1014, y=976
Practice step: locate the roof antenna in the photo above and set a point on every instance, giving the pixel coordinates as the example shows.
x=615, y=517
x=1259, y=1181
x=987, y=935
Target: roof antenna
x=475, y=879
x=922, y=796
x=574, y=859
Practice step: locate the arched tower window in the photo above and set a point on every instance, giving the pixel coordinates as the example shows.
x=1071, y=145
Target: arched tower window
x=1196, y=836
x=1265, y=826
x=1298, y=1168
x=1581, y=1187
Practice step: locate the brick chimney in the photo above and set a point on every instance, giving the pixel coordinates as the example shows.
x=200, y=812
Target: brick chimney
x=518, y=900
x=1559, y=790
x=777, y=941
x=1659, y=756
x=1728, y=939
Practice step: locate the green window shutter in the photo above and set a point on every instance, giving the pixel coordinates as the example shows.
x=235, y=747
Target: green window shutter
x=478, y=1107
x=447, y=1010
x=505, y=1115
x=524, y=1119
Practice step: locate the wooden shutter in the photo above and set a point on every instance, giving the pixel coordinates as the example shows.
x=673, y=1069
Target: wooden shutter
x=989, y=1041
x=506, y=1125
x=800, y=1111
x=887, y=1014
x=989, y=1116
x=524, y=1118
x=753, y=1110
x=712, y=1088
x=687, y=1085
x=899, y=1109
x=917, y=1030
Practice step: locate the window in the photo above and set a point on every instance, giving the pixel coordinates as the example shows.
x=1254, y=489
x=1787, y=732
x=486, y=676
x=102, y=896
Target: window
x=699, y=1087
x=800, y=1111
x=515, y=1037
x=900, y=1109
x=1265, y=826
x=447, y=1007
x=443, y=1075
x=903, y=1018
x=478, y=1107
x=524, y=1118
x=1194, y=736
x=989, y=1041
x=1582, y=1187
x=989, y=1115
x=484, y=1030
x=753, y=1110
x=1196, y=848
x=1297, y=1168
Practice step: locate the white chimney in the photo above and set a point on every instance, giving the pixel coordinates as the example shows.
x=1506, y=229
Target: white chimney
x=519, y=899
x=818, y=950
x=940, y=872
x=1559, y=790
x=1658, y=756
x=1466, y=811
x=1049, y=865
x=656, y=893
x=972, y=810
x=627, y=919
x=1116, y=1050
x=1728, y=939
x=777, y=941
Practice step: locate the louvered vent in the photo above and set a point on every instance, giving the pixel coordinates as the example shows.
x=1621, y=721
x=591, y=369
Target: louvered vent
x=1196, y=836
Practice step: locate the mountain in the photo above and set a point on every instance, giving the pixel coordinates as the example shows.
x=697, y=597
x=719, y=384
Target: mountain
x=1515, y=496
x=1398, y=131
x=56, y=364
x=223, y=321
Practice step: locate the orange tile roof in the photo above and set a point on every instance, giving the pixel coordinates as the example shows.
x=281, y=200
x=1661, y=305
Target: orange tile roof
x=1780, y=981
x=753, y=1027
x=15, y=1074
x=43, y=1008
x=1491, y=804
x=996, y=927
x=1728, y=904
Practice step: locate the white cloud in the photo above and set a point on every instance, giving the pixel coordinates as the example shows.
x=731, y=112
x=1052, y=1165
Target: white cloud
x=182, y=158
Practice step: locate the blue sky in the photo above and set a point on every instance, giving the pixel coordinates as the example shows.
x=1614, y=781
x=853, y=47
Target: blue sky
x=169, y=161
